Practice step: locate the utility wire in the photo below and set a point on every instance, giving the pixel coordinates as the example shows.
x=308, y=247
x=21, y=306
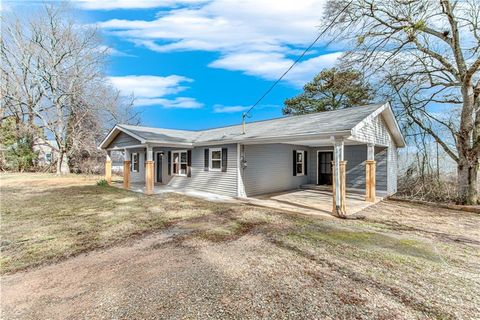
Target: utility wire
x=245, y=114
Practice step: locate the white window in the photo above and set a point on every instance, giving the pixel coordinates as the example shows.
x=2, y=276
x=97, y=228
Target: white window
x=215, y=159
x=179, y=163
x=300, y=162
x=135, y=162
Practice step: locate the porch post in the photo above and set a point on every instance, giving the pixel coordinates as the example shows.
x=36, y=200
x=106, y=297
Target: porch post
x=339, y=179
x=126, y=168
x=108, y=168
x=241, y=162
x=149, y=171
x=370, y=183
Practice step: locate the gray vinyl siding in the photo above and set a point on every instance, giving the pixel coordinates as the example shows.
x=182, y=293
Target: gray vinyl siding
x=392, y=169
x=376, y=131
x=224, y=183
x=355, y=156
x=270, y=168
x=381, y=176
x=140, y=175
x=123, y=140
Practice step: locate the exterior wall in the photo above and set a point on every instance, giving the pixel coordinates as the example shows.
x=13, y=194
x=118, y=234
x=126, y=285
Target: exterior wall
x=392, y=169
x=140, y=175
x=375, y=131
x=224, y=183
x=355, y=155
x=123, y=140
x=270, y=168
x=381, y=176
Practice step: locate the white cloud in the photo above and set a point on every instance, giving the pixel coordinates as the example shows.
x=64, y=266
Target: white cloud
x=152, y=90
x=130, y=4
x=259, y=38
x=270, y=66
x=179, y=102
x=218, y=108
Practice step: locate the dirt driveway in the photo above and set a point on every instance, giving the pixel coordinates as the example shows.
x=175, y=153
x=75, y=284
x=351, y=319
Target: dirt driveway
x=183, y=272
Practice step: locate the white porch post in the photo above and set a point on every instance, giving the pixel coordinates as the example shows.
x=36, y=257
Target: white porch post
x=126, y=168
x=149, y=171
x=339, y=169
x=108, y=167
x=240, y=167
x=370, y=173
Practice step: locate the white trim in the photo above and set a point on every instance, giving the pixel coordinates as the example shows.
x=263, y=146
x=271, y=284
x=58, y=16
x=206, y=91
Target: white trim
x=318, y=151
x=156, y=164
x=303, y=163
x=210, y=159
x=240, y=184
x=179, y=163
x=133, y=161
x=110, y=136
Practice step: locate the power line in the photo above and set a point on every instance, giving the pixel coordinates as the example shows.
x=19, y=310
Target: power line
x=245, y=114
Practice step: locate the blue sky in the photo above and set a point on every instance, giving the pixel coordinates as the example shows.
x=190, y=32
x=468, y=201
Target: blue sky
x=195, y=64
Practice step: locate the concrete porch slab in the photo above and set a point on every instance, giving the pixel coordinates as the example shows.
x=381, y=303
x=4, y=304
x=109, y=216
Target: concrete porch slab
x=311, y=202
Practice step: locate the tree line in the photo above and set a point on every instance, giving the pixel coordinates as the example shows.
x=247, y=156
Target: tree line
x=54, y=89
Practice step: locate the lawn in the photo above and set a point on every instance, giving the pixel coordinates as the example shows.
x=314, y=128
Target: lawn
x=189, y=257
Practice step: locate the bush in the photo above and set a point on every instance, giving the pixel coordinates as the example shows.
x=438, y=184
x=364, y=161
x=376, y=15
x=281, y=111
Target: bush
x=428, y=187
x=102, y=183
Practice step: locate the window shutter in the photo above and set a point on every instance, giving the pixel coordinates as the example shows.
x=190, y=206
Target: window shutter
x=294, y=162
x=305, y=161
x=224, y=159
x=131, y=162
x=189, y=163
x=169, y=163
x=206, y=164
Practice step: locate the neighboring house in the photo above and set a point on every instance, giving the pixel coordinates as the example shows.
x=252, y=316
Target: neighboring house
x=270, y=156
x=47, y=154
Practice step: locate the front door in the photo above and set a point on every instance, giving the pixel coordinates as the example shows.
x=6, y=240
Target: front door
x=159, y=166
x=324, y=168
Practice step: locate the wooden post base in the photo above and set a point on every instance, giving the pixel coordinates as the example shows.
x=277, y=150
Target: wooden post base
x=370, y=183
x=108, y=171
x=126, y=174
x=149, y=177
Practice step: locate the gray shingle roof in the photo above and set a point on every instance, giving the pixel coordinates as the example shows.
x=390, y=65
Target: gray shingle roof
x=314, y=124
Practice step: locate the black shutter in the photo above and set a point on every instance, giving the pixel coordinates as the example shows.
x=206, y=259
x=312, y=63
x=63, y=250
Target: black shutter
x=131, y=162
x=306, y=162
x=294, y=162
x=206, y=164
x=169, y=163
x=189, y=163
x=224, y=159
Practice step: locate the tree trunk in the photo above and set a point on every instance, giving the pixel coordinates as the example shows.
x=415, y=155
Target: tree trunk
x=467, y=182
x=59, y=162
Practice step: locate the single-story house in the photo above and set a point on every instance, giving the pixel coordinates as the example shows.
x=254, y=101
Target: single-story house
x=267, y=156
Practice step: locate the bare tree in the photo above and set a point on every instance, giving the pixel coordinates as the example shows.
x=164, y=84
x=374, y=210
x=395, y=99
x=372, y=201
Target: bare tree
x=432, y=46
x=54, y=72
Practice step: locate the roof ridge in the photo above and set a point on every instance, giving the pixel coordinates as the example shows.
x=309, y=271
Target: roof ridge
x=264, y=120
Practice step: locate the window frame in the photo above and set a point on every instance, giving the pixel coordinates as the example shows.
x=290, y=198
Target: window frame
x=210, y=160
x=299, y=174
x=179, y=152
x=133, y=161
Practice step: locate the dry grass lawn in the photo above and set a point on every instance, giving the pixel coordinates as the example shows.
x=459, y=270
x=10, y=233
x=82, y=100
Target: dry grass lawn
x=171, y=256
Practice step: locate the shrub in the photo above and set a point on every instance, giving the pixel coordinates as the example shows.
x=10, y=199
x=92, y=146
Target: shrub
x=102, y=183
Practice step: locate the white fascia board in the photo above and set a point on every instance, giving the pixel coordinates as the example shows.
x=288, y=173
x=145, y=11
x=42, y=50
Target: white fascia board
x=391, y=122
x=113, y=133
